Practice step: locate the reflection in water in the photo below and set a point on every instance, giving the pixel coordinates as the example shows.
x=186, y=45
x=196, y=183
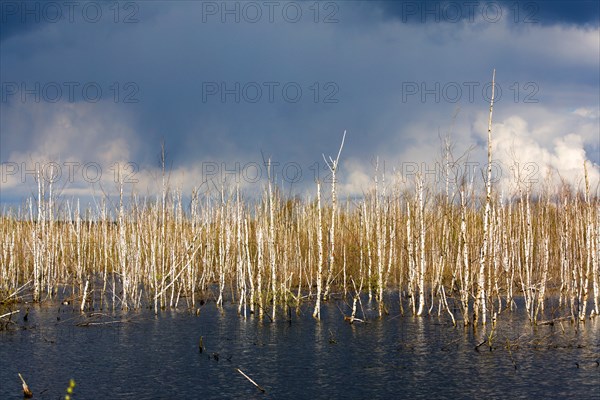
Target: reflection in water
x=141, y=356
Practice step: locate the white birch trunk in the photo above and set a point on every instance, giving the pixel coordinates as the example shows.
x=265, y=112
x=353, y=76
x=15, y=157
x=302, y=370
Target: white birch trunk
x=259, y=269
x=272, y=253
x=411, y=261
x=317, y=310
x=333, y=165
x=466, y=270
x=481, y=295
x=422, y=261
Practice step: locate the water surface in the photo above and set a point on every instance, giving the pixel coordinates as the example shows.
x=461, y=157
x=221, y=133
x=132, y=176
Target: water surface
x=141, y=356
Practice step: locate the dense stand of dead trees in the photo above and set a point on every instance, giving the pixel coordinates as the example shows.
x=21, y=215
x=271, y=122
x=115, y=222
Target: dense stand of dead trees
x=274, y=253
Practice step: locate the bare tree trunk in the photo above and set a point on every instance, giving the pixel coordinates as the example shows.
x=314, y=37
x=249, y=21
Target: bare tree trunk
x=380, y=239
x=259, y=268
x=465, y=269
x=366, y=213
x=589, y=246
x=422, y=261
x=222, y=249
x=249, y=265
x=333, y=165
x=411, y=261
x=272, y=253
x=480, y=299
x=317, y=311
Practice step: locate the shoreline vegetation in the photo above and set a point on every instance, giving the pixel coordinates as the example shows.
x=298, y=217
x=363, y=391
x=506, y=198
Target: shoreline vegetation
x=444, y=247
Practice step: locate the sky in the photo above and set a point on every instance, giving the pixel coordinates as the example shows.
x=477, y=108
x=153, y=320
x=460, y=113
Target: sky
x=90, y=91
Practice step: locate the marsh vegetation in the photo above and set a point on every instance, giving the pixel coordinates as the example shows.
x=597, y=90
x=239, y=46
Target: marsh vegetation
x=276, y=253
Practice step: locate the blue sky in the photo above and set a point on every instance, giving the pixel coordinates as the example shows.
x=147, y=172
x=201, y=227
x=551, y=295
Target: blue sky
x=90, y=86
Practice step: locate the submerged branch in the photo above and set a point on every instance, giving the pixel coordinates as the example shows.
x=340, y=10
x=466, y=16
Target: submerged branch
x=251, y=381
x=10, y=313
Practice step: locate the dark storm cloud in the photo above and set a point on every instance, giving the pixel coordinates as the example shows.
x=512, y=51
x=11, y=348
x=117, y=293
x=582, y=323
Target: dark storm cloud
x=13, y=20
x=581, y=12
x=220, y=88
x=21, y=17
x=18, y=17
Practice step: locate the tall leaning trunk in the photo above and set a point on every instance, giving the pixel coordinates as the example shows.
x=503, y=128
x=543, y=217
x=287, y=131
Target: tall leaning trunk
x=480, y=300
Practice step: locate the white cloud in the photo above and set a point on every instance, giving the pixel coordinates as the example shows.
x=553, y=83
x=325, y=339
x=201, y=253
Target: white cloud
x=587, y=113
x=358, y=178
x=79, y=142
x=526, y=159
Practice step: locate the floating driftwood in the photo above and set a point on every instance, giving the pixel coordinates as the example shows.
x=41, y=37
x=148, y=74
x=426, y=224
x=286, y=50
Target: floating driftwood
x=26, y=392
x=85, y=323
x=97, y=316
x=251, y=381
